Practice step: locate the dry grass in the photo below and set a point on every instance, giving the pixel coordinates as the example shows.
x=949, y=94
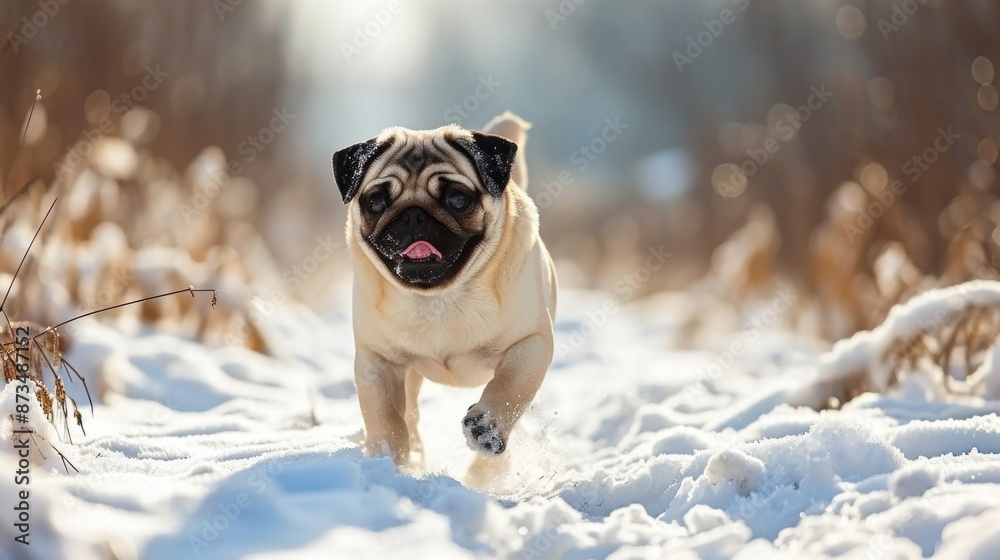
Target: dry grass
x=957, y=349
x=111, y=249
x=954, y=353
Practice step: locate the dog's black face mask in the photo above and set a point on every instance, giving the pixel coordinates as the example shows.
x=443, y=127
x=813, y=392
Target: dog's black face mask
x=421, y=250
x=424, y=235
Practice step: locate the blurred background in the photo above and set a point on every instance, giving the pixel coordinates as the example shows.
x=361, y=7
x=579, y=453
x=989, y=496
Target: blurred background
x=847, y=149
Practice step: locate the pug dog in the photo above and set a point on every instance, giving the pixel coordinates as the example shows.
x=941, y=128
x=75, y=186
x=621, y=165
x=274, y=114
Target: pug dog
x=452, y=282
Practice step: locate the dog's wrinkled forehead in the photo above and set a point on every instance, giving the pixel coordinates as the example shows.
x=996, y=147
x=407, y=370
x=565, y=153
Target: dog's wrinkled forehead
x=417, y=158
x=418, y=150
x=404, y=152
x=418, y=154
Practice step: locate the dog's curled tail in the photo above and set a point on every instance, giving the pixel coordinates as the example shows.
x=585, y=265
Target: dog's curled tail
x=515, y=129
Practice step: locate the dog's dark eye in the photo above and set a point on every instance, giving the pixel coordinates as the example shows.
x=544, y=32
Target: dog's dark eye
x=458, y=201
x=377, y=203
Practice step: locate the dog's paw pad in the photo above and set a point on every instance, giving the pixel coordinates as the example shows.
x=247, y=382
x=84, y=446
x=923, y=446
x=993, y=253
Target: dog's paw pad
x=482, y=434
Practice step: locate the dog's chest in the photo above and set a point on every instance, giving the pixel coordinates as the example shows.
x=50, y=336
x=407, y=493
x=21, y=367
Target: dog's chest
x=453, y=341
x=442, y=326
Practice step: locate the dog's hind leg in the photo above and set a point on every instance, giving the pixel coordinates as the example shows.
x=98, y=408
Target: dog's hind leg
x=412, y=416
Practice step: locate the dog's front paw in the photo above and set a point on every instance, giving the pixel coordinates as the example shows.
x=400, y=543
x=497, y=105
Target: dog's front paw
x=482, y=433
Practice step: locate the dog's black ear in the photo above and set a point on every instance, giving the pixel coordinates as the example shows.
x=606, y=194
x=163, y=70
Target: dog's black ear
x=493, y=157
x=351, y=163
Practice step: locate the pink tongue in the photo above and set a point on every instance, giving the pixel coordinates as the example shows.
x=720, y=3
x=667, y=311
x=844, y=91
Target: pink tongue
x=421, y=250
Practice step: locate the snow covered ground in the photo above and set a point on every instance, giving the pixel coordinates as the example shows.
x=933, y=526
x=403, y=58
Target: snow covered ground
x=632, y=450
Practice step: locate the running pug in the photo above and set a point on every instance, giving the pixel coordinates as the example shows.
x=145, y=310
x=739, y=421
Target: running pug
x=451, y=280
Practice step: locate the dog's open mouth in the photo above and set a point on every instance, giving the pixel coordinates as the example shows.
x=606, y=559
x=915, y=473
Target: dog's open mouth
x=424, y=264
x=421, y=251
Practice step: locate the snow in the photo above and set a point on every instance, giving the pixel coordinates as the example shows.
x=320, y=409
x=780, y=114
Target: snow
x=197, y=451
x=927, y=313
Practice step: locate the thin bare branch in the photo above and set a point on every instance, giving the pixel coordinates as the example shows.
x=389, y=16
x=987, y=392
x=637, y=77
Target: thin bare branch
x=189, y=289
x=25, y=256
x=24, y=134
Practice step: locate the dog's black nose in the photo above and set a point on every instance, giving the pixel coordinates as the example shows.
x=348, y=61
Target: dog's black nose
x=414, y=215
